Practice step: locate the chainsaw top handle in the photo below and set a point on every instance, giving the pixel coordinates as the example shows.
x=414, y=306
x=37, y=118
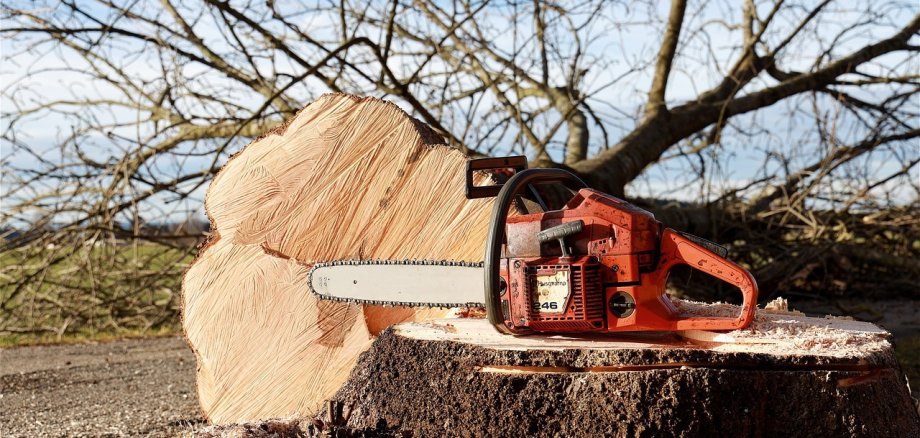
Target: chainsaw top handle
x=681, y=249
x=496, y=236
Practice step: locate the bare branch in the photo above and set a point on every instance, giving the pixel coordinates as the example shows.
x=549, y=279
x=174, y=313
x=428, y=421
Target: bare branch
x=665, y=58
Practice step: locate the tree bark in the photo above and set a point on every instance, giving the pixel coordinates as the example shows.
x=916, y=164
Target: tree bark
x=787, y=376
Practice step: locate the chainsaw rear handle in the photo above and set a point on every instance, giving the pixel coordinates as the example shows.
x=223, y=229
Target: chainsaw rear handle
x=496, y=234
x=677, y=249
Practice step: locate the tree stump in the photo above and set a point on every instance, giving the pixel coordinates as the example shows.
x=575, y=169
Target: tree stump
x=787, y=375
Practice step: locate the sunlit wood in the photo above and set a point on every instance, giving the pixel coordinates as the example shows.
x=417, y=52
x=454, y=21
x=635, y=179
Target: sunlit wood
x=347, y=178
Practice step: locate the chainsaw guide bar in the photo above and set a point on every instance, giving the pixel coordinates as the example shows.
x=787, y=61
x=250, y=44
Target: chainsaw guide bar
x=597, y=265
x=425, y=283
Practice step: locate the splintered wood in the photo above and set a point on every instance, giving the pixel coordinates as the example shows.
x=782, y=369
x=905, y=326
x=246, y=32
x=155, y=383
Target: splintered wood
x=774, y=332
x=346, y=178
x=778, y=330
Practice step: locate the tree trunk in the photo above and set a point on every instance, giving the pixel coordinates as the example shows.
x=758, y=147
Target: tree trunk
x=787, y=375
x=346, y=178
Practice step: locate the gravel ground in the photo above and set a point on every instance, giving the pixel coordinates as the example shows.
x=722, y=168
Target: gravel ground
x=140, y=387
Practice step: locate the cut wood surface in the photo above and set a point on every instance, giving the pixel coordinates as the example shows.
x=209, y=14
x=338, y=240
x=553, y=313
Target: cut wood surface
x=459, y=377
x=347, y=178
x=793, y=335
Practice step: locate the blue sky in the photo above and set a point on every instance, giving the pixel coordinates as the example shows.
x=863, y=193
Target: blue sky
x=629, y=37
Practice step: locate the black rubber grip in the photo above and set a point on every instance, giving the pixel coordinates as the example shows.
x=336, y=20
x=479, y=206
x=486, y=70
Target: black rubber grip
x=716, y=249
x=560, y=231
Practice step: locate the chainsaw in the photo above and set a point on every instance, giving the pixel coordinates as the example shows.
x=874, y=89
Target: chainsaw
x=598, y=264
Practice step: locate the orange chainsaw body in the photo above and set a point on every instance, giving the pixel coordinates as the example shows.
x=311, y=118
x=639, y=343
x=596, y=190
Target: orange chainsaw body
x=613, y=278
x=599, y=264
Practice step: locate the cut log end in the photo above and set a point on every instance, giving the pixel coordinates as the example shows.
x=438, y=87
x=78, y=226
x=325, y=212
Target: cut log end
x=460, y=377
x=328, y=186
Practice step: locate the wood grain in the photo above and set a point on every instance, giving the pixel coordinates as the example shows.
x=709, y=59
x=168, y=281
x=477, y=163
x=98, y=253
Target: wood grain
x=347, y=178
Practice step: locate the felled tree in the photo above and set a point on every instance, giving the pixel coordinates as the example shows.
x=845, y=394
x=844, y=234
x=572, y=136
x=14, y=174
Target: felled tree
x=346, y=179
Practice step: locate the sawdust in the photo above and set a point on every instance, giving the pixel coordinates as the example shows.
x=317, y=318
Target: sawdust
x=294, y=427
x=785, y=330
x=781, y=306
